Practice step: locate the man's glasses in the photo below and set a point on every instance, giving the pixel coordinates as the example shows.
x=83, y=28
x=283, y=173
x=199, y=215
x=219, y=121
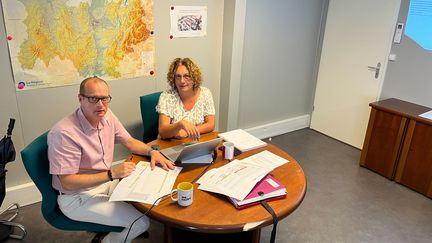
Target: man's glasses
x=95, y=99
x=185, y=76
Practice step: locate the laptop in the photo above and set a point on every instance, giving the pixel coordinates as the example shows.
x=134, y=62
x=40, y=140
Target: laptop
x=192, y=153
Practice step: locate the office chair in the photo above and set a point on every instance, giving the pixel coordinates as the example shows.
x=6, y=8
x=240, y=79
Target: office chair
x=149, y=116
x=8, y=228
x=35, y=159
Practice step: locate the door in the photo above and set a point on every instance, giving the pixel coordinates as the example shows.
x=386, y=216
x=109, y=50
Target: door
x=356, y=44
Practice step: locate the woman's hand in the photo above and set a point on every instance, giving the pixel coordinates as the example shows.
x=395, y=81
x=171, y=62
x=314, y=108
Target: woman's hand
x=190, y=129
x=181, y=134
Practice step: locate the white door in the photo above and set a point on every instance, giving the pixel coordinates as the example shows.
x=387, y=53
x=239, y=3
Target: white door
x=357, y=34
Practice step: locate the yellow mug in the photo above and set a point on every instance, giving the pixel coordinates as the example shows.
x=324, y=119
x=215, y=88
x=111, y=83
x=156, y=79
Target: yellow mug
x=184, y=194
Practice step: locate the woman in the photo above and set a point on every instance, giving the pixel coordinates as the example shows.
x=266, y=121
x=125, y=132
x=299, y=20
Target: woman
x=186, y=109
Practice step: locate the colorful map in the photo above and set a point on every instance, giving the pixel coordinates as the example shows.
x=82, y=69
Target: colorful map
x=56, y=43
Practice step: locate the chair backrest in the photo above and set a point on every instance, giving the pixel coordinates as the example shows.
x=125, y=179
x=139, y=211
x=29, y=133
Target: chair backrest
x=149, y=116
x=35, y=159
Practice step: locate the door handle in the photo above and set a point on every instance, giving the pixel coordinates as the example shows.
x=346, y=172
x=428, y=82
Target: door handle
x=376, y=69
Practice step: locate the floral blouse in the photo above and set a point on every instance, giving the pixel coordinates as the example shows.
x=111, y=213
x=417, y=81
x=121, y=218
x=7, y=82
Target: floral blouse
x=171, y=105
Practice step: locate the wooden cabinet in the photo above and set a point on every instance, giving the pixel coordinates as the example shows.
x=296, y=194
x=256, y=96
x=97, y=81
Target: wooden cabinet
x=415, y=164
x=398, y=144
x=382, y=144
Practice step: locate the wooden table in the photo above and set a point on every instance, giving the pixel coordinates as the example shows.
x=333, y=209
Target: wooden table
x=212, y=213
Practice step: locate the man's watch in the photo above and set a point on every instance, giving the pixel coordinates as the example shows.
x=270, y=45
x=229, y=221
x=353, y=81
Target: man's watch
x=149, y=152
x=153, y=147
x=110, y=175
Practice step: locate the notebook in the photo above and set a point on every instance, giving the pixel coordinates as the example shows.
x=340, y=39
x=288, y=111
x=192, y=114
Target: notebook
x=268, y=189
x=242, y=140
x=192, y=153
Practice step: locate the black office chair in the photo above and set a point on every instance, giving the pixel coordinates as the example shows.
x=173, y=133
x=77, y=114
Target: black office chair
x=149, y=116
x=9, y=229
x=7, y=154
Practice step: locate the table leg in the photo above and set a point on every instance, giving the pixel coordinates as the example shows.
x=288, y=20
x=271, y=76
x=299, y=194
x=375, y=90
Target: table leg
x=174, y=235
x=168, y=234
x=255, y=235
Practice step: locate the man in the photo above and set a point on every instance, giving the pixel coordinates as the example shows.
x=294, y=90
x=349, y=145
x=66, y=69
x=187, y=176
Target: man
x=80, y=151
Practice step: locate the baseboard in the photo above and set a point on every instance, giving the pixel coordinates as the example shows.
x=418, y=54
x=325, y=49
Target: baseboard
x=26, y=194
x=280, y=127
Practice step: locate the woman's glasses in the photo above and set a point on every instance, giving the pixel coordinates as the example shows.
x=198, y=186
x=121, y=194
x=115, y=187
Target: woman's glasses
x=184, y=76
x=95, y=99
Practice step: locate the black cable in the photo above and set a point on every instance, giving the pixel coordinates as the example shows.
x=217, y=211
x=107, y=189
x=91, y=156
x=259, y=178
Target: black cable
x=274, y=217
x=214, y=156
x=144, y=214
x=198, y=176
x=154, y=204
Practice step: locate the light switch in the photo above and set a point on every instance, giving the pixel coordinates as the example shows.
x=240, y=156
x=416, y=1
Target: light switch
x=398, y=33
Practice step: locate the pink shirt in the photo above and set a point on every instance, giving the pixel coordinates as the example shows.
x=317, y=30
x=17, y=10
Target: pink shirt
x=75, y=147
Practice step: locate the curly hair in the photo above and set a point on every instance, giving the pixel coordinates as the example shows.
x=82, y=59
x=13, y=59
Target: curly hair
x=194, y=72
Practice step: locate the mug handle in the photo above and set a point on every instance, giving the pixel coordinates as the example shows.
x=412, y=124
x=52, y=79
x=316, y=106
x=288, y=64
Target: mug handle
x=171, y=195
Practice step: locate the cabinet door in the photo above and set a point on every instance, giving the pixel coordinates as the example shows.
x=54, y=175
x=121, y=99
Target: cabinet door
x=415, y=166
x=383, y=142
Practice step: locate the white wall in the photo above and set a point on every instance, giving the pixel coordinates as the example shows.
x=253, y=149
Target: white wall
x=269, y=64
x=36, y=111
x=280, y=53
x=268, y=87
x=408, y=78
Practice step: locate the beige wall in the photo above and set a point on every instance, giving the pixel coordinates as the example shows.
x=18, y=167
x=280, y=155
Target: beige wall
x=250, y=88
x=36, y=111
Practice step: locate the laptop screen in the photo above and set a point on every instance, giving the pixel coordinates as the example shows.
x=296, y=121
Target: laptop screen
x=200, y=152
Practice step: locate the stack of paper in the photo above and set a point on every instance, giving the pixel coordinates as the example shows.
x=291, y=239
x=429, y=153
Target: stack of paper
x=267, y=189
x=242, y=140
x=145, y=185
x=427, y=115
x=237, y=178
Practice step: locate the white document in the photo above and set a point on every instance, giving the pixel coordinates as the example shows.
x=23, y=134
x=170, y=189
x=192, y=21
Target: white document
x=242, y=140
x=266, y=158
x=145, y=185
x=237, y=178
x=188, y=21
x=427, y=115
x=233, y=180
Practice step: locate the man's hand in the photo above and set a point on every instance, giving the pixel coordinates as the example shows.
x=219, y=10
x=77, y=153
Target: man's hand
x=122, y=170
x=158, y=158
x=190, y=129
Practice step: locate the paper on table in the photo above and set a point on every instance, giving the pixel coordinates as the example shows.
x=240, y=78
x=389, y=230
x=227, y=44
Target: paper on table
x=427, y=115
x=242, y=140
x=145, y=185
x=237, y=178
x=251, y=225
x=266, y=158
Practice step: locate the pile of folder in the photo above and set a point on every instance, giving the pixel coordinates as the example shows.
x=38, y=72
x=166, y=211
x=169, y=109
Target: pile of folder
x=246, y=181
x=267, y=189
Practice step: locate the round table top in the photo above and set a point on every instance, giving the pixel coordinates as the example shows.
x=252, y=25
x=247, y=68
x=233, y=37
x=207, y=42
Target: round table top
x=214, y=213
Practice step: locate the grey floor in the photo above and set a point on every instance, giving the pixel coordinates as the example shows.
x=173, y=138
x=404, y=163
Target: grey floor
x=343, y=203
